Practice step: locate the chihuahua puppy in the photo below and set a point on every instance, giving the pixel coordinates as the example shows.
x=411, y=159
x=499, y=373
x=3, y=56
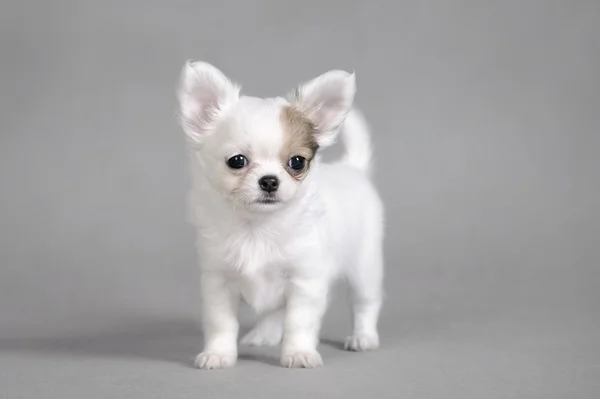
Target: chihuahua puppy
x=275, y=225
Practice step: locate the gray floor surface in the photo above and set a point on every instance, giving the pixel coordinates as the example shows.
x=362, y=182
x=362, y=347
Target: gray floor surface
x=426, y=353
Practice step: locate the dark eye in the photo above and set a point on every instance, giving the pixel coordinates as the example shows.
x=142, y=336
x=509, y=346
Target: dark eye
x=297, y=163
x=237, y=161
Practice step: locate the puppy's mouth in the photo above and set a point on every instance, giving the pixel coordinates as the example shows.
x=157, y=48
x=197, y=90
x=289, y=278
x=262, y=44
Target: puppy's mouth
x=268, y=200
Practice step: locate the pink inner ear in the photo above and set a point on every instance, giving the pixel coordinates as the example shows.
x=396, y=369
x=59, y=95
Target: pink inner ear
x=200, y=105
x=204, y=94
x=204, y=105
x=326, y=100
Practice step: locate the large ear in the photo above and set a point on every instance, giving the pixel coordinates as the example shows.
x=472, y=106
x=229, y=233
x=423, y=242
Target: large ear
x=205, y=94
x=325, y=101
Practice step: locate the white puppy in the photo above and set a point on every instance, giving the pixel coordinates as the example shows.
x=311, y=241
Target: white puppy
x=275, y=225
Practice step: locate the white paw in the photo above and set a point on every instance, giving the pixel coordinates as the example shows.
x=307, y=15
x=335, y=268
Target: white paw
x=262, y=337
x=362, y=342
x=306, y=359
x=212, y=361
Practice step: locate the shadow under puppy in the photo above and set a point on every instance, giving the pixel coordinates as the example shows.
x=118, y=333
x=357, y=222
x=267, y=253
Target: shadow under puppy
x=275, y=225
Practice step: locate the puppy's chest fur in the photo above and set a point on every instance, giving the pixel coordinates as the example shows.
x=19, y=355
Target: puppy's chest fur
x=256, y=258
x=248, y=250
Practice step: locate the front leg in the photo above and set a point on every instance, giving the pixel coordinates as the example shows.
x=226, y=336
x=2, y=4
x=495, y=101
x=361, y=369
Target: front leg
x=220, y=299
x=306, y=304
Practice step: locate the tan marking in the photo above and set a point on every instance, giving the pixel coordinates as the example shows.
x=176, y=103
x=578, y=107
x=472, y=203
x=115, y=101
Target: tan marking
x=299, y=139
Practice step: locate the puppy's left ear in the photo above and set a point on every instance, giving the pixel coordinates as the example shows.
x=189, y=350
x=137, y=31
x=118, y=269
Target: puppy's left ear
x=325, y=101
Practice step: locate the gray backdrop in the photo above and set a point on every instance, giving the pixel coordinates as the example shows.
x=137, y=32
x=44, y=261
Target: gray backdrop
x=486, y=118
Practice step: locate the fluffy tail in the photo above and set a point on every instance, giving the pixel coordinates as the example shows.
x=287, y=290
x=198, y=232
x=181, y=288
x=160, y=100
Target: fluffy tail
x=356, y=138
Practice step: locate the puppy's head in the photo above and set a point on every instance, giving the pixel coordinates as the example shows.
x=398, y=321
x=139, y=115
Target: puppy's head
x=259, y=153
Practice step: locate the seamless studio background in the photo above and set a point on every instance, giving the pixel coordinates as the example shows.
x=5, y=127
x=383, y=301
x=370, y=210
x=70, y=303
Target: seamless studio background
x=486, y=126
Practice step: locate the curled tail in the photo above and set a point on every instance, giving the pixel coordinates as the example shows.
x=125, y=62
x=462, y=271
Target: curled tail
x=357, y=141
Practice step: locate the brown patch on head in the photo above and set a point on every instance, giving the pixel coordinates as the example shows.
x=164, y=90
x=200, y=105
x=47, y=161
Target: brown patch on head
x=299, y=139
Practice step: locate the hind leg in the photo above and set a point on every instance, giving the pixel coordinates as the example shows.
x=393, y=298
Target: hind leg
x=268, y=331
x=365, y=281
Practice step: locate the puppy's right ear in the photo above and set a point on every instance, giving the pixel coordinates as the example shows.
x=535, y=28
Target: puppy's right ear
x=205, y=94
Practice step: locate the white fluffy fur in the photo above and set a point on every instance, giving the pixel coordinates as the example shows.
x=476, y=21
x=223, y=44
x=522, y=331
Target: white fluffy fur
x=280, y=258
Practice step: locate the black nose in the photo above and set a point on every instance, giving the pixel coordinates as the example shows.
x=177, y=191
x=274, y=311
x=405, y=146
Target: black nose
x=268, y=183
